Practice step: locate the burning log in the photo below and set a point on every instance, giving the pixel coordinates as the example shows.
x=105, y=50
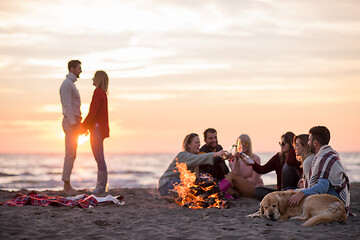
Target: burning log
x=205, y=182
x=204, y=192
x=200, y=204
x=197, y=192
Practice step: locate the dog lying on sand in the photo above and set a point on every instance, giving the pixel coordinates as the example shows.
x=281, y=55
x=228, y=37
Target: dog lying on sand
x=319, y=208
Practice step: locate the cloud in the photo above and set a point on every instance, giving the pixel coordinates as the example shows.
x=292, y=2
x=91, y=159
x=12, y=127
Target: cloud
x=56, y=108
x=145, y=96
x=167, y=55
x=24, y=127
x=132, y=41
x=51, y=108
x=166, y=69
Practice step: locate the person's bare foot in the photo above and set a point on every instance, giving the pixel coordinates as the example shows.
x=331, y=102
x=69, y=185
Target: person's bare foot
x=68, y=189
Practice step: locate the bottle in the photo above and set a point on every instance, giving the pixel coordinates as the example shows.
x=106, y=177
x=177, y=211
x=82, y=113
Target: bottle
x=232, y=150
x=230, y=153
x=246, y=158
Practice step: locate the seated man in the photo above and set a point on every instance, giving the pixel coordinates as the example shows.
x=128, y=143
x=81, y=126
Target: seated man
x=219, y=169
x=327, y=174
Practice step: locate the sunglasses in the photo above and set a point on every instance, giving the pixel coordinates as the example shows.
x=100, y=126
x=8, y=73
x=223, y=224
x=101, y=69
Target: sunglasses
x=282, y=144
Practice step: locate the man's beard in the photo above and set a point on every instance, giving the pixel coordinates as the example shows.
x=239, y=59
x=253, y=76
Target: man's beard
x=213, y=148
x=312, y=148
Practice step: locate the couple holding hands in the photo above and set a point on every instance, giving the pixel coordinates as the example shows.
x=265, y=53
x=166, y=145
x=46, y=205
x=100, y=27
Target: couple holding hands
x=96, y=122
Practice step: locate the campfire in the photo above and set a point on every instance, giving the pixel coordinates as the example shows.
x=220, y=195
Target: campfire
x=196, y=192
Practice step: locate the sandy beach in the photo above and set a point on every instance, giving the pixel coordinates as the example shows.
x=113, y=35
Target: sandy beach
x=146, y=215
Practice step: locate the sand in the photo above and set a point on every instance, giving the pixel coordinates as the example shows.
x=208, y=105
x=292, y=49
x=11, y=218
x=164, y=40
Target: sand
x=146, y=215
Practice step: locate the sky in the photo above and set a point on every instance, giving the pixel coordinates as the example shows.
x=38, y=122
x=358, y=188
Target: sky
x=256, y=67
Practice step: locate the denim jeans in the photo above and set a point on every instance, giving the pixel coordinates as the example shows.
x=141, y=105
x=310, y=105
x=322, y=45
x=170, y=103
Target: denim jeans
x=261, y=192
x=290, y=177
x=169, y=185
x=97, y=147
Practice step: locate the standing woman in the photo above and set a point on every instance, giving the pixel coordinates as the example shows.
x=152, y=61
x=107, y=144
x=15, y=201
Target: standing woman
x=97, y=122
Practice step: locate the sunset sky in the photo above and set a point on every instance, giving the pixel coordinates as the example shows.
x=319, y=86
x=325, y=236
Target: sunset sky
x=257, y=67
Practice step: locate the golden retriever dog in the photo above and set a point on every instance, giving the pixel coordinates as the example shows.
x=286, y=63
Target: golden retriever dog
x=318, y=208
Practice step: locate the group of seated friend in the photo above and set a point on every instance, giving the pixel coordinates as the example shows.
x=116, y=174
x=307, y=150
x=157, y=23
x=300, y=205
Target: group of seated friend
x=305, y=163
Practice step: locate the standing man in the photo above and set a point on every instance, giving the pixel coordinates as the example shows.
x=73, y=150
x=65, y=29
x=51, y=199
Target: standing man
x=327, y=174
x=70, y=101
x=219, y=169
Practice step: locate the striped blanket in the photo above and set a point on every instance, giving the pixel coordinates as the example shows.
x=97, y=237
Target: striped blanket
x=327, y=164
x=82, y=201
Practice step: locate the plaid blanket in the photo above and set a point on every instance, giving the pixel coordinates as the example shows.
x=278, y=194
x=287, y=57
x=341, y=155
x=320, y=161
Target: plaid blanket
x=327, y=164
x=82, y=201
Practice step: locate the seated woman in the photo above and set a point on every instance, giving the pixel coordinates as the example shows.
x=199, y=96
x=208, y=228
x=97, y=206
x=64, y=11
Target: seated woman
x=285, y=165
x=305, y=156
x=242, y=172
x=189, y=156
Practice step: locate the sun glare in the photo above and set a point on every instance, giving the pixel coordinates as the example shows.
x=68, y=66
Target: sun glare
x=83, y=138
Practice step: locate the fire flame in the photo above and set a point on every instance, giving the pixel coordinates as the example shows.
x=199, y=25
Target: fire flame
x=188, y=189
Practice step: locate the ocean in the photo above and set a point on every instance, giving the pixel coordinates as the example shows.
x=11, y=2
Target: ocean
x=43, y=171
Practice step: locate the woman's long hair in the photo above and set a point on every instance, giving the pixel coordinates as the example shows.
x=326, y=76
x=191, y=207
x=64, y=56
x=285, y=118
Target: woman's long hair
x=187, y=140
x=304, y=139
x=103, y=80
x=288, y=138
x=246, y=140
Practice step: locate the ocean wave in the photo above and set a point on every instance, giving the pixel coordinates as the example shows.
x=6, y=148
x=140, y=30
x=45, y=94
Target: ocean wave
x=2, y=174
x=138, y=173
x=26, y=174
x=54, y=173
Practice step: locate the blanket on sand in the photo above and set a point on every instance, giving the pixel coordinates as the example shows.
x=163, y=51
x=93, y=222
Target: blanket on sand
x=82, y=201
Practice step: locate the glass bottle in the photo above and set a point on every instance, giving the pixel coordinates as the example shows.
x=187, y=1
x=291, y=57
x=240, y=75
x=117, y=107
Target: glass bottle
x=245, y=157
